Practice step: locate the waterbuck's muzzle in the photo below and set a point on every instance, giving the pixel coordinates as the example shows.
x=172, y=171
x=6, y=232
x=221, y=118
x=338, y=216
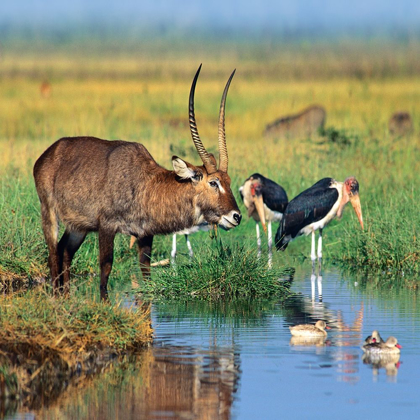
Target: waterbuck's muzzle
x=230, y=220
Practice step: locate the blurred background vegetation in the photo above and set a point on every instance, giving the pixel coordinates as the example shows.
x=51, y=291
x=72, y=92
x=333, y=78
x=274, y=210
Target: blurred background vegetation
x=124, y=72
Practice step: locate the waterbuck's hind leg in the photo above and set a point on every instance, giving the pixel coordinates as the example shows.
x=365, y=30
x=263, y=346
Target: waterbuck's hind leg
x=50, y=229
x=69, y=244
x=145, y=252
x=106, y=258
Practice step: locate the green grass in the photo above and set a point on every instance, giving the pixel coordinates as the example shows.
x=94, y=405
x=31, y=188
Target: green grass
x=56, y=337
x=390, y=241
x=75, y=324
x=219, y=272
x=150, y=106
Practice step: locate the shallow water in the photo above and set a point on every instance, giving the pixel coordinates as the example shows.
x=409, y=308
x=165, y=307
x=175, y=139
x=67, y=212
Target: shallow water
x=237, y=361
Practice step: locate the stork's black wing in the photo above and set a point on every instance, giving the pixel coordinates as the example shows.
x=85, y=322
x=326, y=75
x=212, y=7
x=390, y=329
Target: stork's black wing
x=274, y=195
x=308, y=207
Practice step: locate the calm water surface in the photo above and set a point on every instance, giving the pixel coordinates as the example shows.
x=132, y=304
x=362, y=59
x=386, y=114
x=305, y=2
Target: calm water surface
x=238, y=362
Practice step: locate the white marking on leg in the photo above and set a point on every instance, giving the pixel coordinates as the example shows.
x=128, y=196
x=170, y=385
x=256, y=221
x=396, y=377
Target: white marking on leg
x=320, y=244
x=190, y=250
x=313, y=254
x=258, y=239
x=173, y=252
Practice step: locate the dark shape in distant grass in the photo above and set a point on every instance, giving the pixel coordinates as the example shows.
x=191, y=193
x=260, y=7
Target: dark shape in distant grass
x=400, y=123
x=304, y=124
x=220, y=272
x=337, y=136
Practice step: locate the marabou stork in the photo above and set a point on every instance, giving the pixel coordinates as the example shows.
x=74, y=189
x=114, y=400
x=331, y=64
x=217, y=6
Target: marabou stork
x=314, y=208
x=264, y=200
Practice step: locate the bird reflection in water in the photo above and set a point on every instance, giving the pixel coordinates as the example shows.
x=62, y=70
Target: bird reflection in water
x=309, y=341
x=389, y=362
x=318, y=279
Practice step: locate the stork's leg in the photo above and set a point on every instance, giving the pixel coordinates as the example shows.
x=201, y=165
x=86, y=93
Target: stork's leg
x=258, y=240
x=173, y=252
x=190, y=250
x=320, y=287
x=313, y=254
x=270, y=246
x=313, y=277
x=320, y=251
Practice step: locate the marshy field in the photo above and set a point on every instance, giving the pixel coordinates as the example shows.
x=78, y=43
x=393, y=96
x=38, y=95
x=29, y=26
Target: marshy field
x=141, y=95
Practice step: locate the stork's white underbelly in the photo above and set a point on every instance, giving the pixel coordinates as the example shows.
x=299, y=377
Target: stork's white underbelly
x=320, y=224
x=274, y=216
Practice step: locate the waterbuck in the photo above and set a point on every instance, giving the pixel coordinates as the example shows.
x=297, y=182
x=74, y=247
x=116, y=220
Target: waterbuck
x=110, y=187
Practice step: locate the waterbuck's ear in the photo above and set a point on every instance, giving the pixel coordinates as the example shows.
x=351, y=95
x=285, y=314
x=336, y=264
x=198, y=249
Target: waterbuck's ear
x=213, y=160
x=185, y=170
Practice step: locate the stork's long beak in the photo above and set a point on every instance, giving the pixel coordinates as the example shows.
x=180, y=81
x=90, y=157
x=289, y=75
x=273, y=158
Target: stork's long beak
x=259, y=205
x=355, y=202
x=132, y=241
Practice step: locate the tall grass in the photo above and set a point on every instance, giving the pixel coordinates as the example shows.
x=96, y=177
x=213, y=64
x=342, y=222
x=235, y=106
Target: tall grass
x=219, y=271
x=390, y=241
x=150, y=106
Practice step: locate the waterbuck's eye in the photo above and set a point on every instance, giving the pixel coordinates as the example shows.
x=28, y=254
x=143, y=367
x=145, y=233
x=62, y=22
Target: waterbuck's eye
x=214, y=184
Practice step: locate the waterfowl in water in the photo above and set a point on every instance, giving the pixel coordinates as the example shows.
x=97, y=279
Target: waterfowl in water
x=390, y=346
x=374, y=338
x=309, y=330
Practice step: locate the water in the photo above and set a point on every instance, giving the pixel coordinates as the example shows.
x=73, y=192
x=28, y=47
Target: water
x=237, y=361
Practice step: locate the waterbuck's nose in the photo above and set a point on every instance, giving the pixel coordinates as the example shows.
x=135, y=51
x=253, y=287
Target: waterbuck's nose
x=237, y=217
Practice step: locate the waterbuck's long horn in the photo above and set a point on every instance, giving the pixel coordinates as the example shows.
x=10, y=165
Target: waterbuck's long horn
x=223, y=154
x=204, y=155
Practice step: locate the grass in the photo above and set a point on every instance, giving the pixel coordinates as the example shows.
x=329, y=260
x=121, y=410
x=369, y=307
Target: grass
x=390, y=242
x=219, y=272
x=142, y=96
x=146, y=100
x=70, y=325
x=56, y=338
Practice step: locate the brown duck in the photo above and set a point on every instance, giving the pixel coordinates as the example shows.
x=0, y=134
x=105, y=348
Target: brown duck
x=309, y=330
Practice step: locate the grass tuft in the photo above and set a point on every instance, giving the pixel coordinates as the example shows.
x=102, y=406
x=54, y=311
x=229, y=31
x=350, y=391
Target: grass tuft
x=390, y=241
x=219, y=272
x=73, y=324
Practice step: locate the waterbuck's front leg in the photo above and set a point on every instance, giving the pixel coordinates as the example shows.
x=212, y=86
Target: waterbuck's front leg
x=145, y=253
x=106, y=257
